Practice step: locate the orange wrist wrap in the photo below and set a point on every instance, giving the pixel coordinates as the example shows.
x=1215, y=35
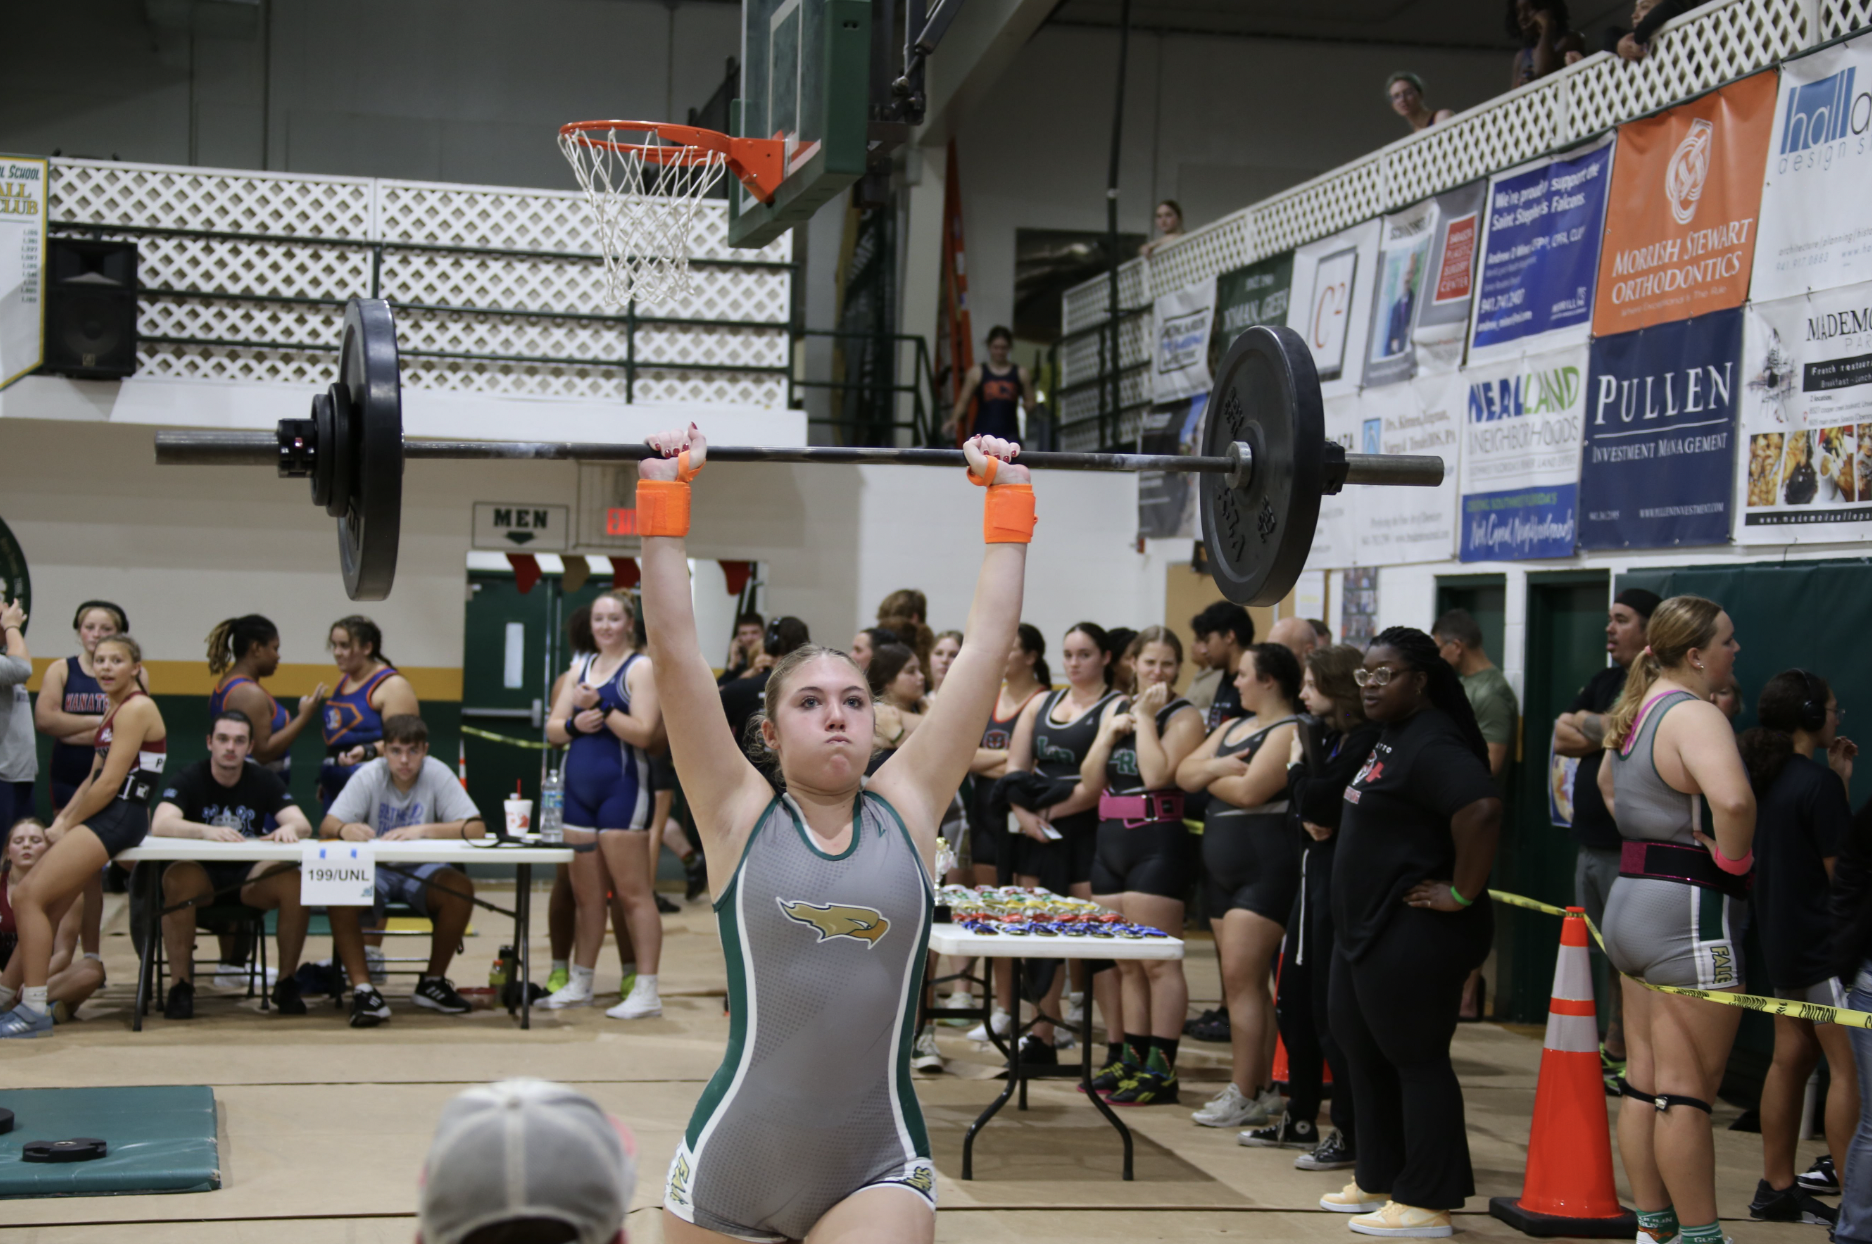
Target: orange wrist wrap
x=1008, y=515
x=662, y=508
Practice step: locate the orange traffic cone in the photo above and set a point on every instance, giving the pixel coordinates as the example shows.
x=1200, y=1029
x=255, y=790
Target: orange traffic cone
x=1568, y=1188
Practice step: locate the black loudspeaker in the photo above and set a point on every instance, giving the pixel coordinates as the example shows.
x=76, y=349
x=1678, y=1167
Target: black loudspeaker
x=91, y=309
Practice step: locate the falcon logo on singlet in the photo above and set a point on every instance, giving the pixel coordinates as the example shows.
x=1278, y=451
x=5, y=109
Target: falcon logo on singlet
x=832, y=920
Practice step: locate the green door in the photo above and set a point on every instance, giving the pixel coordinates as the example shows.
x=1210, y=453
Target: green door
x=1485, y=596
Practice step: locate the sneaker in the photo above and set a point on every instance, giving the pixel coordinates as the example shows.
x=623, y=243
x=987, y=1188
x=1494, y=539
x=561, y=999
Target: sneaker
x=286, y=999
x=1111, y=1076
x=234, y=976
x=1289, y=1133
x=1064, y=1039
x=560, y=978
x=1395, y=1219
x=1033, y=1053
x=1332, y=1154
x=374, y=960
x=1002, y=1022
x=1229, y=1108
x=1207, y=1017
x=1353, y=1199
x=695, y=873
x=1216, y=1029
x=1820, y=1177
x=925, y=1056
x=1074, y=1010
x=368, y=1008
x=639, y=1003
x=1147, y=1088
x=181, y=1003
x=572, y=993
x=20, y=1022
x=436, y=994
x=666, y=905
x=1790, y=1204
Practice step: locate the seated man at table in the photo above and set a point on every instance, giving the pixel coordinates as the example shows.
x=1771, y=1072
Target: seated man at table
x=225, y=799
x=403, y=795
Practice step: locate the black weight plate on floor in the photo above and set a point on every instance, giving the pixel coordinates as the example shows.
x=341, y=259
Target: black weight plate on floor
x=340, y=451
x=6, y=1121
x=77, y=1149
x=370, y=528
x=1266, y=395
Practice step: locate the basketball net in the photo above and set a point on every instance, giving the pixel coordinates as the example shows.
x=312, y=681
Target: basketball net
x=645, y=207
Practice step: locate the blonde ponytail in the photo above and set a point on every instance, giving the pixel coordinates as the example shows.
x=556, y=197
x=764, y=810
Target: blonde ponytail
x=1676, y=626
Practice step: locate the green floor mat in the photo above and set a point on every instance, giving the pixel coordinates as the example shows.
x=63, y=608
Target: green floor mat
x=161, y=1140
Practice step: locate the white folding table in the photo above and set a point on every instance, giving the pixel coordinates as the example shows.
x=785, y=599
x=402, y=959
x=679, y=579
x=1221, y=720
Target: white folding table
x=156, y=849
x=953, y=939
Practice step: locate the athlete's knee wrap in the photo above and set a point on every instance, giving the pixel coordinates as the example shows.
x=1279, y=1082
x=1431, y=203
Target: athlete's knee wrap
x=1666, y=1100
x=1626, y=1090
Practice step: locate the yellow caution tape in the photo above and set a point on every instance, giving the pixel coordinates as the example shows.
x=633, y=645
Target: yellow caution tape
x=1812, y=1012
x=508, y=739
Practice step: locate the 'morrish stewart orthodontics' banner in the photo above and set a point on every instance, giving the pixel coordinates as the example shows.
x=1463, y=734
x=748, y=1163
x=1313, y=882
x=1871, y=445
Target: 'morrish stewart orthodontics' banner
x=1658, y=470
x=1815, y=230
x=1520, y=457
x=1804, y=470
x=1680, y=226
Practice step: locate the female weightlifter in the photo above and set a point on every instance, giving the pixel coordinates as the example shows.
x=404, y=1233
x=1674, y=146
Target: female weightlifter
x=242, y=651
x=1143, y=867
x=107, y=814
x=1251, y=868
x=823, y=894
x=369, y=690
x=1676, y=914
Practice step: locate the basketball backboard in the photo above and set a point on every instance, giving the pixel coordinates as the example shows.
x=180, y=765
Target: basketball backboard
x=806, y=68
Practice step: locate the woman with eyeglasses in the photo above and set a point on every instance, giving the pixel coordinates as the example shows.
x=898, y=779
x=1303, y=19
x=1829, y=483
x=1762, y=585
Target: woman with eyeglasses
x=1411, y=919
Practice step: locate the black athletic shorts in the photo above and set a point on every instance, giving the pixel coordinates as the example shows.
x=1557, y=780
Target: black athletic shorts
x=1149, y=859
x=1250, y=861
x=120, y=826
x=1063, y=864
x=225, y=879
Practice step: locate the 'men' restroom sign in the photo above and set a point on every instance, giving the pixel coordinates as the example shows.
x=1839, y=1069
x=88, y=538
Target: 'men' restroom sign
x=512, y=526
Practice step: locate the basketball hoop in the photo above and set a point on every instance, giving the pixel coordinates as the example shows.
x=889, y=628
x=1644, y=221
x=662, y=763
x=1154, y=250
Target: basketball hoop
x=645, y=195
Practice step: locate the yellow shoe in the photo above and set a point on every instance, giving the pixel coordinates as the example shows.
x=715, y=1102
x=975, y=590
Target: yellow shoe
x=1352, y=1199
x=1396, y=1219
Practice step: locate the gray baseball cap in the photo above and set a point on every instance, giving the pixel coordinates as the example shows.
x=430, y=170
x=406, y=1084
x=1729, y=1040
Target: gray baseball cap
x=526, y=1149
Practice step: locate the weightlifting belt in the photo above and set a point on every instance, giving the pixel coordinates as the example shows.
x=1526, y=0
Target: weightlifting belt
x=1149, y=808
x=1671, y=861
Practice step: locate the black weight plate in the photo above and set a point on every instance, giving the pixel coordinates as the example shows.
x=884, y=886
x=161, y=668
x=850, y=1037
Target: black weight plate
x=1267, y=396
x=77, y=1149
x=6, y=1121
x=322, y=439
x=371, y=526
x=338, y=456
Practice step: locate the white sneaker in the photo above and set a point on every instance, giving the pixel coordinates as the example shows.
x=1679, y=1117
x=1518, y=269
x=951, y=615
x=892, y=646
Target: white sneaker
x=1074, y=1011
x=575, y=993
x=925, y=1056
x=374, y=960
x=1002, y=1021
x=643, y=1003
x=234, y=976
x=1233, y=1108
x=1063, y=1039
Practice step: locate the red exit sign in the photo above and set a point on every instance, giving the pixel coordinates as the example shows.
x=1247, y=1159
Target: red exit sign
x=620, y=521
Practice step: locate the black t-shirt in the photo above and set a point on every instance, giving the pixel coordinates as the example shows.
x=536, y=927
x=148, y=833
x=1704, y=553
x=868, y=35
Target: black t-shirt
x=1227, y=703
x=1395, y=828
x=1802, y=819
x=252, y=805
x=1320, y=797
x=740, y=700
x=1852, y=897
x=1592, y=824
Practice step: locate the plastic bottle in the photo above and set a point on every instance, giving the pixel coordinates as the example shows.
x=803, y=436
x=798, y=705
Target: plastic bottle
x=552, y=806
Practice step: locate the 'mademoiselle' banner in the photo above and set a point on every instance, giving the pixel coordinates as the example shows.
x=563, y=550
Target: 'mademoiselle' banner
x=1815, y=231
x=1180, y=322
x=1805, y=470
x=1397, y=525
x=1540, y=254
x=1331, y=307
x=1520, y=457
x=1658, y=468
x=1686, y=189
x=1403, y=256
x=1443, y=317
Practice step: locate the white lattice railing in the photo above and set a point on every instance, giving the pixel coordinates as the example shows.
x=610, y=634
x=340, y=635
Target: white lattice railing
x=1701, y=50
x=244, y=276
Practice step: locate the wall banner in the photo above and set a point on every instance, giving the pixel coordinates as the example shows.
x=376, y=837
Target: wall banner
x=1804, y=472
x=1180, y=323
x=1815, y=233
x=1256, y=294
x=1686, y=189
x=1520, y=458
x=22, y=265
x=1335, y=539
x=1403, y=259
x=1397, y=525
x=1540, y=254
x=1443, y=319
x=1167, y=499
x=1331, y=307
x=1660, y=435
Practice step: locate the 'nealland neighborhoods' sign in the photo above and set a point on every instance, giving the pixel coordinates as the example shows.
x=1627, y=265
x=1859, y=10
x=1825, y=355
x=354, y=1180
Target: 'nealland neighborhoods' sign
x=1520, y=457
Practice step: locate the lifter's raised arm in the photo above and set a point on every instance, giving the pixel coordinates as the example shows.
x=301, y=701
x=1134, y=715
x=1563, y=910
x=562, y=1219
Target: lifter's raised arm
x=717, y=779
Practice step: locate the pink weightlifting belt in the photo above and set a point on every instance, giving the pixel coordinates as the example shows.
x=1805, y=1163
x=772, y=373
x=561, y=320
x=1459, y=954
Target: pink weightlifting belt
x=1673, y=861
x=1149, y=808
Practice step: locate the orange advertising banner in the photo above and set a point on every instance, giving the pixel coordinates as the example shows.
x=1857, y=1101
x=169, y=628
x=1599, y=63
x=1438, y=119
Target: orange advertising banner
x=1686, y=196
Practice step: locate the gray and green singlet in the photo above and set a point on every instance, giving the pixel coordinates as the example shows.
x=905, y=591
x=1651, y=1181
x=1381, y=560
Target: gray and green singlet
x=814, y=1100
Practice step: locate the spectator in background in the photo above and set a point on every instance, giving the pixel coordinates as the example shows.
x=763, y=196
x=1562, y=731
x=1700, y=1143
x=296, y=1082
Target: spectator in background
x=1202, y=688
x=1580, y=732
x=1296, y=635
x=948, y=645
x=19, y=751
x=242, y=651
x=1406, y=92
x=744, y=648
x=1799, y=768
x=1459, y=641
x=906, y=612
x=1000, y=389
x=1851, y=911
x=1729, y=700
x=1124, y=650
x=1169, y=221
x=526, y=1162
x=1223, y=632
x=1321, y=631
x=1647, y=16
x=1546, y=37
x=869, y=640
x=741, y=698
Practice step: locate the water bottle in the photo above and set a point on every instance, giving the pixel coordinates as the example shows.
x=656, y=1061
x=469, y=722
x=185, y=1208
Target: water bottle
x=552, y=806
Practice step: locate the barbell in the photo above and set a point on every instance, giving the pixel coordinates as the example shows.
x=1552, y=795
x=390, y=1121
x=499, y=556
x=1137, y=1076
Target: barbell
x=1265, y=460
